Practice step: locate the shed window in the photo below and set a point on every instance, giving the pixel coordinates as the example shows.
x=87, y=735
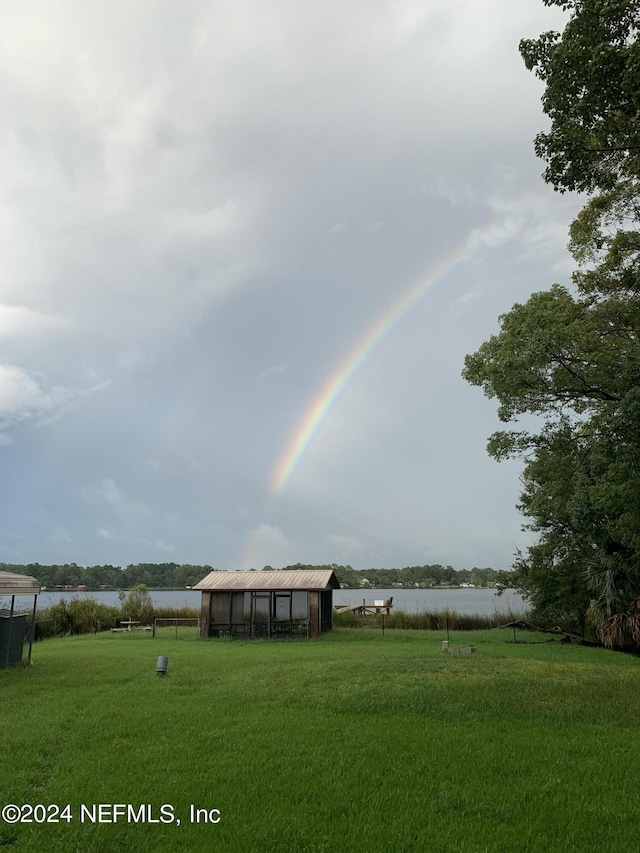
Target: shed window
x=300, y=605
x=283, y=606
x=261, y=607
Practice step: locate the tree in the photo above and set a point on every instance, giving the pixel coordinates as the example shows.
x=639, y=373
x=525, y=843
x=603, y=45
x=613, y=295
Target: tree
x=573, y=359
x=576, y=364
x=557, y=352
x=592, y=94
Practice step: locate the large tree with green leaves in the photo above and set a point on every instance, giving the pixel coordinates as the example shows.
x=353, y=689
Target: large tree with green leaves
x=575, y=364
x=573, y=359
x=592, y=95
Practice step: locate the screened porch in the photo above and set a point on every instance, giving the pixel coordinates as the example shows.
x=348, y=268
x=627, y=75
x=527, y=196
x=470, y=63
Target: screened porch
x=267, y=604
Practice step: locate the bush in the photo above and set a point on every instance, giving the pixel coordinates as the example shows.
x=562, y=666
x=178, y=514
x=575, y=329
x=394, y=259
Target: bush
x=88, y=616
x=77, y=616
x=137, y=604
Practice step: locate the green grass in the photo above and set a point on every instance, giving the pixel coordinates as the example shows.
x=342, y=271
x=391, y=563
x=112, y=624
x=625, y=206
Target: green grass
x=179, y=631
x=351, y=742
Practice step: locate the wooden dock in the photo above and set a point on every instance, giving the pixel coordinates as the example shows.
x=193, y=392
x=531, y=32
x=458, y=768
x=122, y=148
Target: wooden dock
x=364, y=609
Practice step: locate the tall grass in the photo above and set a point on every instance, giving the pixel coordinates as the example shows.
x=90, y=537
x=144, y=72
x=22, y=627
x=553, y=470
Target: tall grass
x=183, y=612
x=426, y=620
x=88, y=616
x=77, y=616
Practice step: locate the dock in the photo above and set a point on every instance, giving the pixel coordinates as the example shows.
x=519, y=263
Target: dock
x=364, y=609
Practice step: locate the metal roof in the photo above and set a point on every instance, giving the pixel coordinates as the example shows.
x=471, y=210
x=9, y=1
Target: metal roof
x=240, y=581
x=14, y=584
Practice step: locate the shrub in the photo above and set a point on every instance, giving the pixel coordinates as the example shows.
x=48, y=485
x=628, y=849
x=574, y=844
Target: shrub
x=87, y=616
x=77, y=616
x=137, y=604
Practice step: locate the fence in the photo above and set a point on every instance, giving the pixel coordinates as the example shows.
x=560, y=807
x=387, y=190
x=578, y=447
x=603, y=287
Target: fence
x=186, y=627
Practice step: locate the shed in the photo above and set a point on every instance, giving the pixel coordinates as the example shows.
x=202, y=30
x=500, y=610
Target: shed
x=267, y=604
x=14, y=626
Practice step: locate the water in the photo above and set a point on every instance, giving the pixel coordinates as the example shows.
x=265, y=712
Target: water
x=465, y=601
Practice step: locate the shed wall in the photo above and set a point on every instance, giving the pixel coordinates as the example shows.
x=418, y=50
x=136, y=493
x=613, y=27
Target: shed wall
x=205, y=610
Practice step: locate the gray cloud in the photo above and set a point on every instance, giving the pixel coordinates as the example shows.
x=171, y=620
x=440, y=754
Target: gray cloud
x=204, y=206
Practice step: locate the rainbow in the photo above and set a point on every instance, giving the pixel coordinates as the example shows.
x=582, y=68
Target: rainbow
x=359, y=353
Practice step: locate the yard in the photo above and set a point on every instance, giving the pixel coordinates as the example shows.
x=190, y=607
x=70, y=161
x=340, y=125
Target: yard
x=349, y=742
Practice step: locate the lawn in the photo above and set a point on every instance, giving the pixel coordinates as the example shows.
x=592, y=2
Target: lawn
x=350, y=742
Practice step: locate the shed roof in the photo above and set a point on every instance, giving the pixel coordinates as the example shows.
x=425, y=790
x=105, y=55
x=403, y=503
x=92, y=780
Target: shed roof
x=308, y=579
x=14, y=584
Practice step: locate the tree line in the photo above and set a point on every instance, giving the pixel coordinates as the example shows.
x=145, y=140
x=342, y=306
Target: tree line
x=410, y=576
x=152, y=575
x=179, y=576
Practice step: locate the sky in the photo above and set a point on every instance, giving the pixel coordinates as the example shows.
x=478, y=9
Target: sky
x=245, y=249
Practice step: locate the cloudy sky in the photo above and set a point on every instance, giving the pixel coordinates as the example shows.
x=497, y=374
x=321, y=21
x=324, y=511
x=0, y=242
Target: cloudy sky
x=245, y=249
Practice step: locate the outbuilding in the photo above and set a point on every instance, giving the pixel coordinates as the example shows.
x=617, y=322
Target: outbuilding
x=15, y=628
x=267, y=604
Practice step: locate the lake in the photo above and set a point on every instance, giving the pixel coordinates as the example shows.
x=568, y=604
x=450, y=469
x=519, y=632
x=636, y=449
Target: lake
x=465, y=601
